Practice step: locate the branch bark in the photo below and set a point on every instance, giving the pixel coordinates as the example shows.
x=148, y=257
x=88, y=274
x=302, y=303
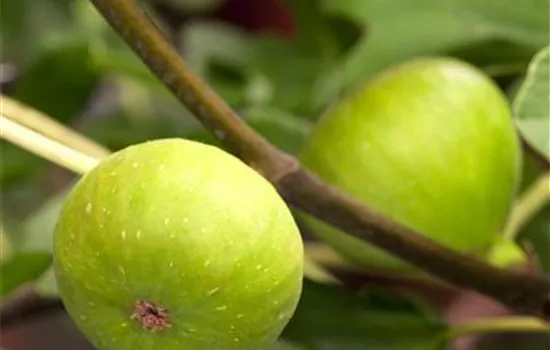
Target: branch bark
x=522, y=292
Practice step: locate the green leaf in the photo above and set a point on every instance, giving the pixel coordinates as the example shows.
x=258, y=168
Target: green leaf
x=17, y=164
x=285, y=131
x=23, y=268
x=400, y=30
x=36, y=232
x=23, y=33
x=536, y=235
x=46, y=285
x=314, y=30
x=293, y=73
x=61, y=80
x=248, y=69
x=285, y=345
x=531, y=105
x=118, y=131
x=329, y=317
x=220, y=53
x=526, y=24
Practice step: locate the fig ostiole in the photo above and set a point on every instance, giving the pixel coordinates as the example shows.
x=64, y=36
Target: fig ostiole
x=429, y=143
x=175, y=244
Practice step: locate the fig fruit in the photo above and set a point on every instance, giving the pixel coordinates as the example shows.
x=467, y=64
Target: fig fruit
x=175, y=244
x=429, y=143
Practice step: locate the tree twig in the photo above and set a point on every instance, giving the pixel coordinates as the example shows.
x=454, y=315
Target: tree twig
x=45, y=147
x=523, y=292
x=529, y=204
x=499, y=325
x=33, y=119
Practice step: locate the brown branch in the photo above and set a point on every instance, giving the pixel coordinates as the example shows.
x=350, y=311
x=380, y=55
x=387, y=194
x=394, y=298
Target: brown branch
x=525, y=293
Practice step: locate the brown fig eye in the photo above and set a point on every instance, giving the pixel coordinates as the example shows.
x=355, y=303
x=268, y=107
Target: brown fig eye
x=177, y=243
x=429, y=143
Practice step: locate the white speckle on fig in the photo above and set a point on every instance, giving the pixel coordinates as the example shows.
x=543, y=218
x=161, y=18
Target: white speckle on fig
x=221, y=308
x=138, y=234
x=89, y=207
x=123, y=234
x=166, y=221
x=213, y=291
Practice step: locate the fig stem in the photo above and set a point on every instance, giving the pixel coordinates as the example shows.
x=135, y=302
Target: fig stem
x=499, y=325
x=521, y=291
x=528, y=205
x=45, y=147
x=36, y=120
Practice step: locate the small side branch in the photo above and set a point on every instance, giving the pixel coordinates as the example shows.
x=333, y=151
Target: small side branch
x=45, y=147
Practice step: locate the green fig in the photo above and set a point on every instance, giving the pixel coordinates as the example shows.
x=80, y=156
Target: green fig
x=174, y=244
x=429, y=143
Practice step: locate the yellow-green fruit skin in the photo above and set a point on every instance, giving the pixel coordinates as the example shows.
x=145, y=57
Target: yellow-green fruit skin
x=189, y=227
x=429, y=143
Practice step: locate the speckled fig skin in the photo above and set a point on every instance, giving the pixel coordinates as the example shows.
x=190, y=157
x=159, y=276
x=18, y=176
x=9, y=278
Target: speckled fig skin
x=429, y=143
x=189, y=228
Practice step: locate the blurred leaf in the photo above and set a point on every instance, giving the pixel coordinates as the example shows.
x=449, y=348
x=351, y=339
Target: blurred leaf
x=36, y=232
x=532, y=103
x=399, y=30
x=220, y=53
x=292, y=71
x=23, y=33
x=496, y=58
x=6, y=245
x=46, y=285
x=536, y=234
x=60, y=81
x=285, y=345
x=17, y=164
x=526, y=24
x=23, y=268
x=248, y=69
x=329, y=317
x=313, y=29
x=204, y=42
x=285, y=131
x=119, y=131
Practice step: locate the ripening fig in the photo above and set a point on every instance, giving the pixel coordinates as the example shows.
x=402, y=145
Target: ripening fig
x=174, y=244
x=429, y=143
